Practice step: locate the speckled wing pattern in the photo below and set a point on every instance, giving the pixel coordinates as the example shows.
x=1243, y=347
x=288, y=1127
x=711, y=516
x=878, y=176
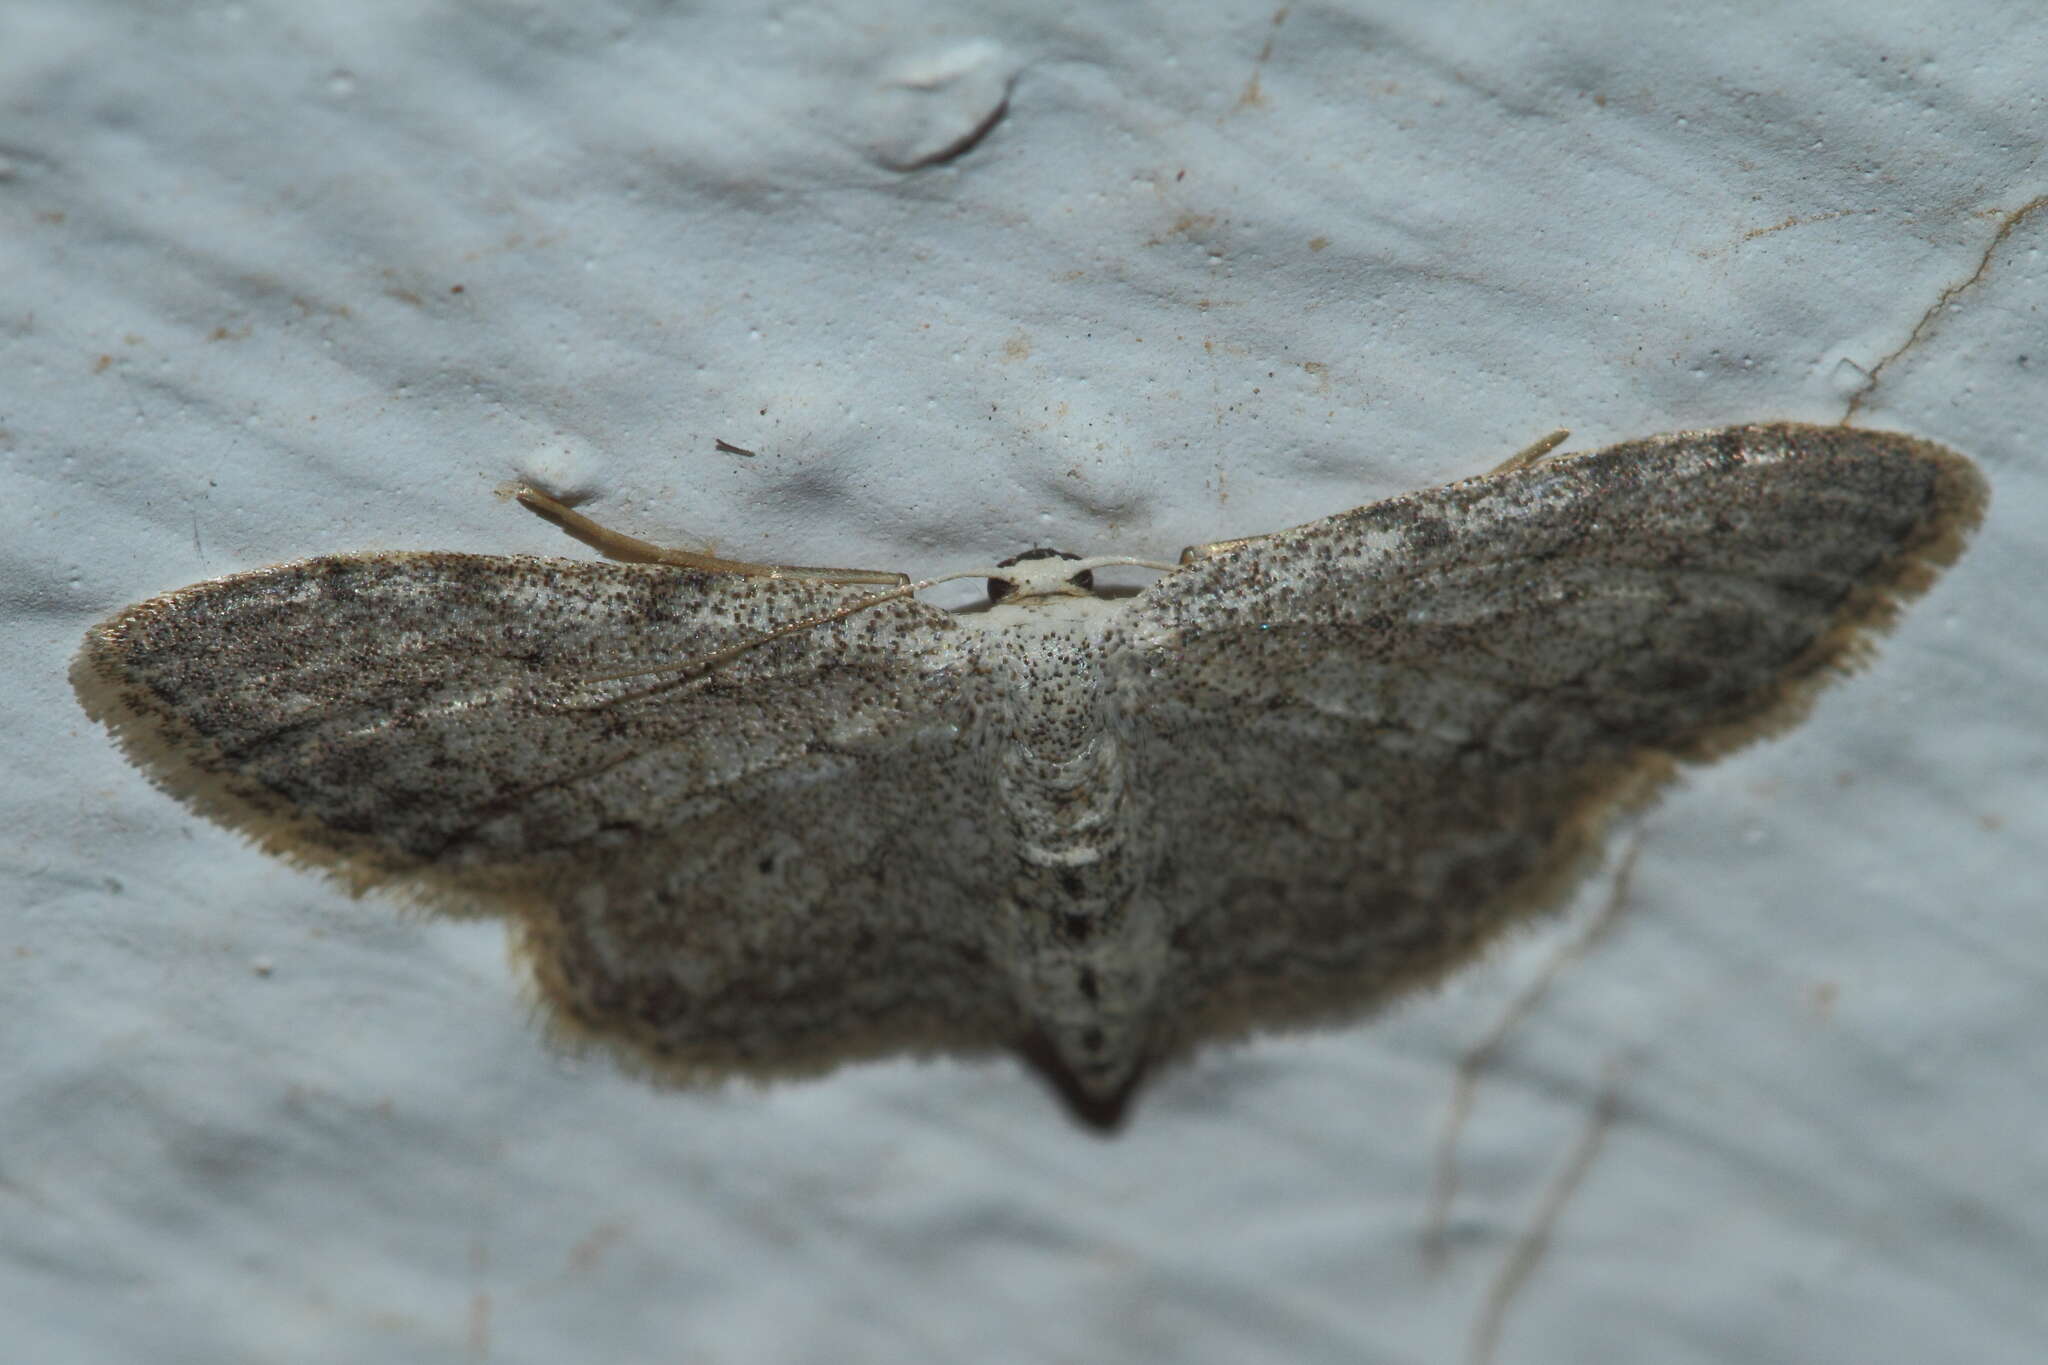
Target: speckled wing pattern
x=1375, y=739
x=1283, y=783
x=710, y=873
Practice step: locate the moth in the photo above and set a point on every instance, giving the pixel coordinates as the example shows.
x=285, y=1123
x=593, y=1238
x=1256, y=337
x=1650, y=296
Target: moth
x=755, y=820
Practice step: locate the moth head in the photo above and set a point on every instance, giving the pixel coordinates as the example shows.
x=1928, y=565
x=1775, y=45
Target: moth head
x=1039, y=573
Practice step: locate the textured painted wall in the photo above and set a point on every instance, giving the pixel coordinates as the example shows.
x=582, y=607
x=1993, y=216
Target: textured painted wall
x=277, y=280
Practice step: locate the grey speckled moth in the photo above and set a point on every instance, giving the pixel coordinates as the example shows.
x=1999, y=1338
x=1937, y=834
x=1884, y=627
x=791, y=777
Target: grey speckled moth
x=764, y=821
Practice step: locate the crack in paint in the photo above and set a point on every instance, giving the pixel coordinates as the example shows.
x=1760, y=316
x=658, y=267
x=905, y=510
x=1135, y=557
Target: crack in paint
x=1926, y=323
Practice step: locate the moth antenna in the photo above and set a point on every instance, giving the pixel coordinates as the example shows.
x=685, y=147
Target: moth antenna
x=704, y=663
x=707, y=662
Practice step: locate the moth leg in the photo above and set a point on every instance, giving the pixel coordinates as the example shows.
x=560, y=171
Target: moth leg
x=1533, y=453
x=632, y=550
x=1196, y=553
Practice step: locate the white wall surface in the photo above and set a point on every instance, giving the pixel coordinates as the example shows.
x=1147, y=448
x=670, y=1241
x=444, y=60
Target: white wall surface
x=281, y=279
